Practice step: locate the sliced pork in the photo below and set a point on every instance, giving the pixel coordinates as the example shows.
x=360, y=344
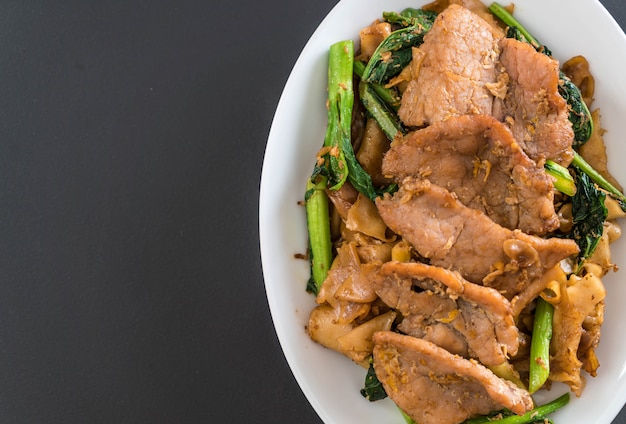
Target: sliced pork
x=456, y=237
x=533, y=107
x=434, y=386
x=477, y=158
x=440, y=306
x=452, y=70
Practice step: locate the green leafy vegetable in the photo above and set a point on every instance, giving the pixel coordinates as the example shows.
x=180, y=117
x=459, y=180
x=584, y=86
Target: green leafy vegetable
x=589, y=214
x=540, y=345
x=410, y=17
x=600, y=180
x=357, y=176
x=394, y=53
x=579, y=114
x=537, y=415
x=373, y=389
x=388, y=95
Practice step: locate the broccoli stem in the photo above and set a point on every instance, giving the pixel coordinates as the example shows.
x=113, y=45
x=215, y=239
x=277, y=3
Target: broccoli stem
x=540, y=345
x=599, y=179
x=563, y=179
x=535, y=415
x=318, y=226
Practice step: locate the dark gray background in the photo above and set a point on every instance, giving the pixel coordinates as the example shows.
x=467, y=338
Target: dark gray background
x=132, y=138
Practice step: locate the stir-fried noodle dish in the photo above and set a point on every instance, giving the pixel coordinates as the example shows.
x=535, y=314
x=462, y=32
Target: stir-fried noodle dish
x=460, y=215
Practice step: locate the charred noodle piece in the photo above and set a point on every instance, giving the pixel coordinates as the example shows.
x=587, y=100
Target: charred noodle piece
x=477, y=158
x=318, y=226
x=441, y=307
x=434, y=386
x=454, y=236
x=394, y=53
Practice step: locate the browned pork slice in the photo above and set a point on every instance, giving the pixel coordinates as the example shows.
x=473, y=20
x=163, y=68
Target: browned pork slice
x=434, y=386
x=533, y=107
x=438, y=305
x=477, y=158
x=452, y=70
x=456, y=237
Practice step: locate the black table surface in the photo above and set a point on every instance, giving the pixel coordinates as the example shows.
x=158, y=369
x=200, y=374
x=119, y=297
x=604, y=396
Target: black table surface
x=133, y=135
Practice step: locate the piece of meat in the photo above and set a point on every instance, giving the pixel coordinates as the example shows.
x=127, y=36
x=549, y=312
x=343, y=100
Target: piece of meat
x=453, y=69
x=434, y=386
x=438, y=305
x=477, y=158
x=533, y=107
x=456, y=237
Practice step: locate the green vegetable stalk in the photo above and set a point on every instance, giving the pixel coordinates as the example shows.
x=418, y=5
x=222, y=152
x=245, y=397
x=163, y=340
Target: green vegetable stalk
x=340, y=103
x=384, y=116
x=318, y=226
x=537, y=415
x=333, y=171
x=540, y=345
x=389, y=95
x=563, y=179
x=343, y=163
x=501, y=13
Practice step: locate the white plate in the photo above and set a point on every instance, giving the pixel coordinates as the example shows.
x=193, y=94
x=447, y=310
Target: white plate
x=329, y=380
